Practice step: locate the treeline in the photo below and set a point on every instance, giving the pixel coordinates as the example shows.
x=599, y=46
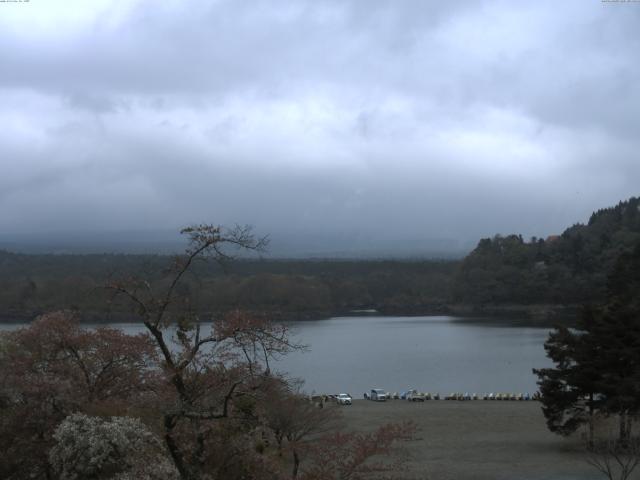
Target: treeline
x=571, y=268
x=31, y=284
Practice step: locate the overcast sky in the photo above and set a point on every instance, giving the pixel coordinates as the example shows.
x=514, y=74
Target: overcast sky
x=397, y=119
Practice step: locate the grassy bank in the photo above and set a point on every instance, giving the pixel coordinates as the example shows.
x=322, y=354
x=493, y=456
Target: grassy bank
x=478, y=440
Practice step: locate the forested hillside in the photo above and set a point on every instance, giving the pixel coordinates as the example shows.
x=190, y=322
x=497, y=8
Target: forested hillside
x=568, y=269
x=30, y=284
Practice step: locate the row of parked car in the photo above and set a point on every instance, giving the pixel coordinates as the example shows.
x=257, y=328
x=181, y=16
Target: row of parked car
x=340, y=399
x=412, y=395
x=379, y=395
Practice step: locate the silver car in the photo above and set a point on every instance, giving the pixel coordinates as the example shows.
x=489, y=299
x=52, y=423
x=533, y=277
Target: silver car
x=415, y=396
x=378, y=395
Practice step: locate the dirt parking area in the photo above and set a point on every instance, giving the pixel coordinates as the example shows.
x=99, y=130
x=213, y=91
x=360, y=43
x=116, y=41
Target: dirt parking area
x=478, y=440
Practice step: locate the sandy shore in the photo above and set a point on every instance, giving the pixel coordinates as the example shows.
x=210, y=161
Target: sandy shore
x=478, y=440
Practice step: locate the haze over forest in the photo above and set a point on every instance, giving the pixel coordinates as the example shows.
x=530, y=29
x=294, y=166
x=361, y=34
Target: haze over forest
x=339, y=128
x=440, y=186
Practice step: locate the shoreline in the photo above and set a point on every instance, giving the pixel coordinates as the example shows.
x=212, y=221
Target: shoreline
x=516, y=315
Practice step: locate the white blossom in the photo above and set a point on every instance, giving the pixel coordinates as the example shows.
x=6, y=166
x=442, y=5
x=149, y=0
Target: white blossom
x=117, y=448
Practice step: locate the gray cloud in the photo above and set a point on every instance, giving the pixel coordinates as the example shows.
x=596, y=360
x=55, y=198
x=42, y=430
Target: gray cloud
x=390, y=119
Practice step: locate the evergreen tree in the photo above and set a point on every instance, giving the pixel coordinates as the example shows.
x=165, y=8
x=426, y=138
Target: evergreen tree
x=616, y=334
x=598, y=364
x=570, y=392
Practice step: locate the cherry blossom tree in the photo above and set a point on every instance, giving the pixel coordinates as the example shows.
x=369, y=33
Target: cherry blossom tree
x=360, y=456
x=117, y=448
x=200, y=385
x=294, y=421
x=215, y=374
x=54, y=368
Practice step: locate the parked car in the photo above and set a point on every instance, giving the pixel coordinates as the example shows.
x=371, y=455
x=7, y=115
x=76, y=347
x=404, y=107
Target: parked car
x=378, y=395
x=415, y=396
x=343, y=399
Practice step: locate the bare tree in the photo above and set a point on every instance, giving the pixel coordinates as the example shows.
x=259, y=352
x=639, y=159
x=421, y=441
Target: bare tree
x=294, y=421
x=614, y=459
x=360, y=456
x=212, y=373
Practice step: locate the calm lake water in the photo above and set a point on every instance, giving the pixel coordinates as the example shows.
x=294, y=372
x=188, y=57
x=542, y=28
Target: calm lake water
x=442, y=354
x=432, y=353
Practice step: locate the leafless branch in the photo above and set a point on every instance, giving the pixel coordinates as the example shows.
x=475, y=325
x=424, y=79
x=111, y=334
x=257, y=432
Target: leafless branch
x=613, y=459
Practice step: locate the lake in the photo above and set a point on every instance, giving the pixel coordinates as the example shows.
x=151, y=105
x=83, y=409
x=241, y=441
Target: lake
x=431, y=353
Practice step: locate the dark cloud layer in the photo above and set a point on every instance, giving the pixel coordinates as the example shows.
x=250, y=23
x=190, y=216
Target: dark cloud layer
x=364, y=119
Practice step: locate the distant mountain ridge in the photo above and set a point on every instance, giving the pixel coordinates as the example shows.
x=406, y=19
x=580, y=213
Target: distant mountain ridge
x=282, y=245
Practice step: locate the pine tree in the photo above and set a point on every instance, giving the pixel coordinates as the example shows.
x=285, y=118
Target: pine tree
x=570, y=392
x=616, y=334
x=598, y=364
